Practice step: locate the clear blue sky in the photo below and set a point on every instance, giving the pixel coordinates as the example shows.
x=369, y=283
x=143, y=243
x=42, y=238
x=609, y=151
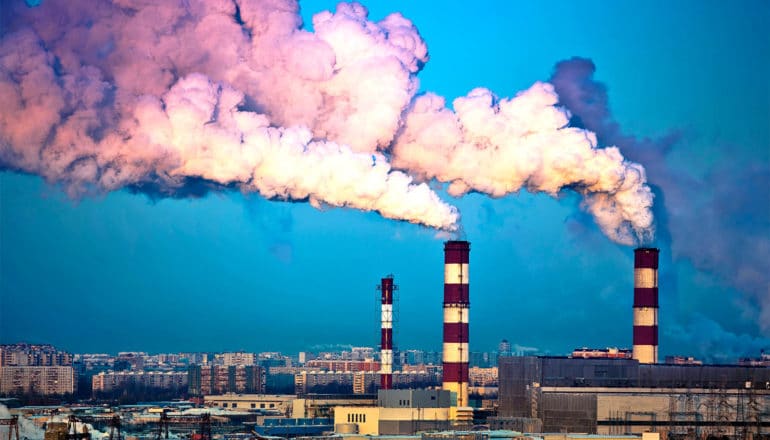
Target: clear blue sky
x=226, y=272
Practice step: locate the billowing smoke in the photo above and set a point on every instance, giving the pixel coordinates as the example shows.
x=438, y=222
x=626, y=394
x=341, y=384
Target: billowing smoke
x=716, y=221
x=27, y=428
x=151, y=96
x=498, y=147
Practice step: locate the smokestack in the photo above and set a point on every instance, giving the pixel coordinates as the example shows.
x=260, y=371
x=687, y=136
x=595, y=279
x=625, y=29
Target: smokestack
x=456, y=305
x=646, y=305
x=386, y=344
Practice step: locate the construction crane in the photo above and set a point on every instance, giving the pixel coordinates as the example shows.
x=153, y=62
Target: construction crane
x=202, y=421
x=13, y=426
x=113, y=423
x=72, y=432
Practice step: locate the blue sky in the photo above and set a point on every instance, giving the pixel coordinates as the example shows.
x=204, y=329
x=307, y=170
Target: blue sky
x=120, y=272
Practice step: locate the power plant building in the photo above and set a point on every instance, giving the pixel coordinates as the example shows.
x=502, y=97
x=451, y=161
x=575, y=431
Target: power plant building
x=398, y=412
x=616, y=396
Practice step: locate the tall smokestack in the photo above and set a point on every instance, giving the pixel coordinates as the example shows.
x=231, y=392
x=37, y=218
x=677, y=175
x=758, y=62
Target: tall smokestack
x=456, y=305
x=646, y=305
x=386, y=344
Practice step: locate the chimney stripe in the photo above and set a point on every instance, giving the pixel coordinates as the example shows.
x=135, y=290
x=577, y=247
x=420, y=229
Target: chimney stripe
x=646, y=297
x=455, y=294
x=455, y=273
x=454, y=314
x=645, y=316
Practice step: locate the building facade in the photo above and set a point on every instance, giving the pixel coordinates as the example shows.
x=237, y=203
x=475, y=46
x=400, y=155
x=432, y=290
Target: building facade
x=116, y=380
x=33, y=355
x=616, y=396
x=219, y=379
x=49, y=380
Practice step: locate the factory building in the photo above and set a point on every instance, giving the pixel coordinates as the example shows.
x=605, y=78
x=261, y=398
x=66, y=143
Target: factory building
x=398, y=412
x=616, y=396
x=313, y=406
x=52, y=380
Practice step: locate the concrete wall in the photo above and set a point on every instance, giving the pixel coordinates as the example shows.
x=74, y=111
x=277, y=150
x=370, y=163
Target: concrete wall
x=366, y=418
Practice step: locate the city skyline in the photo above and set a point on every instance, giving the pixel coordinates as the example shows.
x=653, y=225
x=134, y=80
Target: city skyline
x=204, y=267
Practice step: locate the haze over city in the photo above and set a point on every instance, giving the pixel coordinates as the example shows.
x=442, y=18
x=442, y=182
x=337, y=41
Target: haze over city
x=138, y=153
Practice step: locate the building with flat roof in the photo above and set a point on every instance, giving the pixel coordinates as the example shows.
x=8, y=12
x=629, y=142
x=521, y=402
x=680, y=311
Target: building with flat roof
x=116, y=380
x=398, y=412
x=50, y=380
x=220, y=379
x=615, y=396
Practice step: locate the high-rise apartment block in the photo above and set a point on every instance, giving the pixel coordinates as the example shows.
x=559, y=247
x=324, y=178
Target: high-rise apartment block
x=219, y=379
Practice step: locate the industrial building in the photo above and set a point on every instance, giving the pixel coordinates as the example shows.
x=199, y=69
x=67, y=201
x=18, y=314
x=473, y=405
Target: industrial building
x=398, y=412
x=312, y=406
x=401, y=412
x=610, y=392
x=615, y=396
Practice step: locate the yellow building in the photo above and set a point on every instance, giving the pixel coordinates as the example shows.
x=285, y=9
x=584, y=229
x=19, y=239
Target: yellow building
x=398, y=412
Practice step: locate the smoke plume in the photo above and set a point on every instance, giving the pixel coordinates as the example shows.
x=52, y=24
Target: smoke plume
x=715, y=221
x=153, y=96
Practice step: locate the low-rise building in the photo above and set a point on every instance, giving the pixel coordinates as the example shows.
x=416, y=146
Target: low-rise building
x=398, y=412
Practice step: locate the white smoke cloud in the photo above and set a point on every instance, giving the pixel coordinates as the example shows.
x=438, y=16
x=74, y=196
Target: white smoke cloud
x=129, y=93
x=498, y=147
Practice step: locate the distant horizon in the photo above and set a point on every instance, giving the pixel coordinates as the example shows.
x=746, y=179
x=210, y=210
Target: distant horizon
x=341, y=348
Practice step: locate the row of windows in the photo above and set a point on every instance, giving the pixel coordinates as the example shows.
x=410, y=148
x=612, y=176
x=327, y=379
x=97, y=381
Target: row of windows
x=356, y=418
x=406, y=402
x=253, y=405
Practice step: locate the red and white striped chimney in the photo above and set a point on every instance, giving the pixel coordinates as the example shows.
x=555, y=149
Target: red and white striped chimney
x=456, y=306
x=646, y=305
x=386, y=344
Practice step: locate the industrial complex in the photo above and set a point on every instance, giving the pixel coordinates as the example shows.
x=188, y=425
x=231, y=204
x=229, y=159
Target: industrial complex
x=613, y=393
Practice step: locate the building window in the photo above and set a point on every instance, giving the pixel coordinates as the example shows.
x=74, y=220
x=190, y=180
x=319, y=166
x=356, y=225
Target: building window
x=261, y=405
x=253, y=405
x=364, y=417
x=272, y=405
x=234, y=405
x=224, y=405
